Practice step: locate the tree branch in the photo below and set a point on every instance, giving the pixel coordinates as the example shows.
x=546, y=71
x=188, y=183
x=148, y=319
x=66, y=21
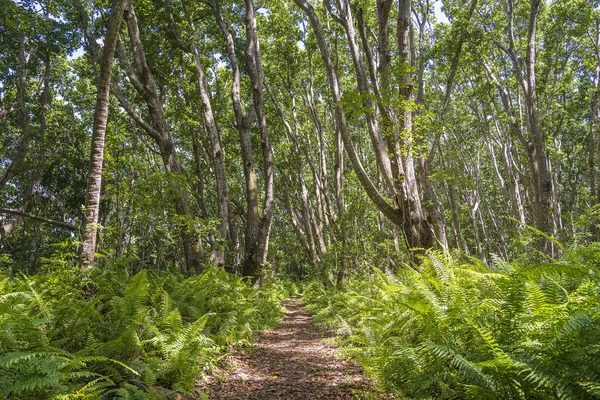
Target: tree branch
x=59, y=224
x=153, y=133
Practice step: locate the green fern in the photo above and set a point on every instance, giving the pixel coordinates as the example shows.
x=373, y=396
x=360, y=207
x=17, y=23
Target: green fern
x=454, y=328
x=98, y=334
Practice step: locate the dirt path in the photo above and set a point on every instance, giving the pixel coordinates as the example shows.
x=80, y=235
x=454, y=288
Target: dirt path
x=291, y=362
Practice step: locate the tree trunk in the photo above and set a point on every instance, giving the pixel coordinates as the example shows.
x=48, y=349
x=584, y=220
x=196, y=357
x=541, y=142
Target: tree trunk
x=392, y=213
x=143, y=81
x=214, y=137
x=381, y=154
x=258, y=249
x=304, y=226
x=537, y=148
x=430, y=196
x=535, y=145
x=258, y=229
x=92, y=201
x=417, y=228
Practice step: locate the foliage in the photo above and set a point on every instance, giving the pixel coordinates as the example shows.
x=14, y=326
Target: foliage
x=68, y=334
x=453, y=328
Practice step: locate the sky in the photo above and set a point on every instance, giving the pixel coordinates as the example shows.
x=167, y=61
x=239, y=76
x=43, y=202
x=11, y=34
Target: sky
x=439, y=14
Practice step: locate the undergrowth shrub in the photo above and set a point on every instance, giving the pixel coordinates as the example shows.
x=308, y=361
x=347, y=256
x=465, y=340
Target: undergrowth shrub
x=103, y=334
x=453, y=328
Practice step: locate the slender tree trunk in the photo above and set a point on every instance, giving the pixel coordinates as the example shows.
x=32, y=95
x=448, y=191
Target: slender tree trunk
x=341, y=205
x=258, y=228
x=258, y=249
x=456, y=226
x=390, y=212
x=22, y=115
x=214, y=137
x=417, y=229
x=430, y=197
x=242, y=124
x=315, y=219
x=92, y=201
x=143, y=81
x=594, y=144
x=303, y=233
x=381, y=154
x=535, y=145
x=304, y=226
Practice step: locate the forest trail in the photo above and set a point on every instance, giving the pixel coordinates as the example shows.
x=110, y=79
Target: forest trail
x=291, y=362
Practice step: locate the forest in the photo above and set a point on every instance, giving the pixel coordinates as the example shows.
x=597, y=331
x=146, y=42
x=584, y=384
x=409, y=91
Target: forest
x=418, y=179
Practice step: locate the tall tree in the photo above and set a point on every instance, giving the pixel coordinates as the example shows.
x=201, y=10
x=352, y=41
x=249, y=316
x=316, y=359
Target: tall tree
x=214, y=135
x=92, y=201
x=395, y=157
x=258, y=226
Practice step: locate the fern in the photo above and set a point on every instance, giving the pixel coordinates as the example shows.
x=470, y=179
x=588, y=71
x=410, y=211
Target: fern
x=97, y=334
x=454, y=328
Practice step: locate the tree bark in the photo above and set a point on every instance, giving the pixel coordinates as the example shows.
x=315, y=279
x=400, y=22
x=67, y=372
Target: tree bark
x=381, y=154
x=143, y=81
x=417, y=228
x=92, y=201
x=257, y=227
x=257, y=249
x=214, y=137
x=534, y=144
x=392, y=213
x=398, y=170
x=537, y=149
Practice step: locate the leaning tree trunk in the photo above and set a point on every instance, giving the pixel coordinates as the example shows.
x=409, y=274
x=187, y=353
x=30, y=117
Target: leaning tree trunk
x=142, y=79
x=398, y=171
x=392, y=213
x=92, y=201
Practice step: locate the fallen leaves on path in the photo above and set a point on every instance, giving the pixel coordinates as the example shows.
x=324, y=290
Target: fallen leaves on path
x=291, y=362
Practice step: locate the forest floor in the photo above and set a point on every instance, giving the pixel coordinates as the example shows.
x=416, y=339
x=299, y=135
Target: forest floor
x=294, y=361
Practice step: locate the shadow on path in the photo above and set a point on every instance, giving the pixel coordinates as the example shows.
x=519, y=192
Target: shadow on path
x=290, y=362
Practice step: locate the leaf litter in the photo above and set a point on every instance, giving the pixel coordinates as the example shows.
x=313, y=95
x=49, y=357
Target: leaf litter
x=291, y=362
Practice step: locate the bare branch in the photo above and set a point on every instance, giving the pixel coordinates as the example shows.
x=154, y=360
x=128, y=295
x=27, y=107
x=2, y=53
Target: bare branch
x=22, y=213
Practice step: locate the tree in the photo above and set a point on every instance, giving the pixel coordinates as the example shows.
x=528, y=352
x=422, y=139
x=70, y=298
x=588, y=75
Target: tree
x=92, y=200
x=398, y=170
x=258, y=227
x=214, y=136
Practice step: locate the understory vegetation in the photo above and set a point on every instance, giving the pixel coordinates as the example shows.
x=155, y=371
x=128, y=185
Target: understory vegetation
x=166, y=166
x=98, y=334
x=450, y=327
